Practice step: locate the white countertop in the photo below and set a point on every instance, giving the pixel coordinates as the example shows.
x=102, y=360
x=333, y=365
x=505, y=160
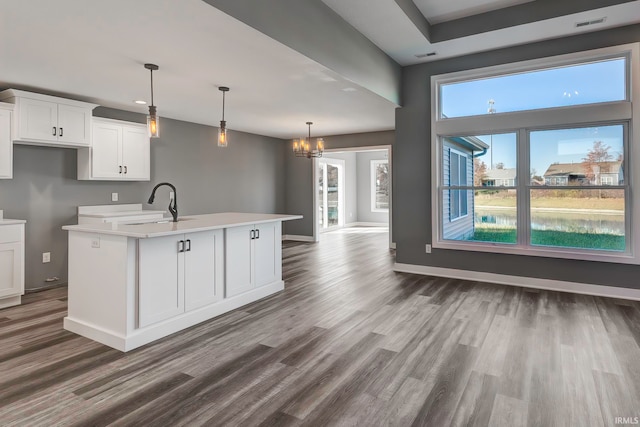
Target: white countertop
x=186, y=224
x=12, y=221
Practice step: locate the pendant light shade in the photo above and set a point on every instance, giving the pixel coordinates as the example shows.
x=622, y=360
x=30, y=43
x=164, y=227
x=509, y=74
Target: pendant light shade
x=223, y=139
x=152, y=118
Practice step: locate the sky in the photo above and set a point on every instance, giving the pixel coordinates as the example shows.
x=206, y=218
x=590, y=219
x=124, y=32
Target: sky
x=556, y=87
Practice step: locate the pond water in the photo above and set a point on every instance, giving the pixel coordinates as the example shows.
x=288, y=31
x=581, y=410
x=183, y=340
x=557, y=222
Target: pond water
x=587, y=222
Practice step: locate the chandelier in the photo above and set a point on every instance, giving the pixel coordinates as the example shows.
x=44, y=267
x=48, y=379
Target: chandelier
x=302, y=148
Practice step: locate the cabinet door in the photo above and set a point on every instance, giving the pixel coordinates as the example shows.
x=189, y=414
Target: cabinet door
x=160, y=279
x=238, y=260
x=203, y=269
x=74, y=125
x=264, y=255
x=135, y=153
x=6, y=145
x=105, y=151
x=10, y=269
x=38, y=120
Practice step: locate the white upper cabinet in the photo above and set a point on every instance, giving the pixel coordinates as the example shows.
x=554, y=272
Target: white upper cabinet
x=120, y=151
x=49, y=120
x=6, y=145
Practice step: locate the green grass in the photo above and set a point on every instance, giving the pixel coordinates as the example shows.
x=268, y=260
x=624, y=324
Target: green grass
x=553, y=238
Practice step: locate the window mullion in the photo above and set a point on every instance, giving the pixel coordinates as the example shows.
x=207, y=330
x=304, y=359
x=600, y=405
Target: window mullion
x=523, y=201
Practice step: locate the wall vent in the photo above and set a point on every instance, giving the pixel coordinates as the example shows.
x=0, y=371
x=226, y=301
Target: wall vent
x=592, y=22
x=424, y=55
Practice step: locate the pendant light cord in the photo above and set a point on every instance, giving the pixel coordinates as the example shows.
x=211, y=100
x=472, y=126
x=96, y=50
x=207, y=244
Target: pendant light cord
x=151, y=87
x=223, y=94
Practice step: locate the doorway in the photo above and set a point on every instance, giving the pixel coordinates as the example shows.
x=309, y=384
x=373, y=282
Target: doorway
x=330, y=194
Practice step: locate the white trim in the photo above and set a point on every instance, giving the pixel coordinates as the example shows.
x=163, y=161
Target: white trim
x=526, y=282
x=367, y=224
x=298, y=238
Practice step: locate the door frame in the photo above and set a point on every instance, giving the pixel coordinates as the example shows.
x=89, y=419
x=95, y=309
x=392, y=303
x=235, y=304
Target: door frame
x=314, y=185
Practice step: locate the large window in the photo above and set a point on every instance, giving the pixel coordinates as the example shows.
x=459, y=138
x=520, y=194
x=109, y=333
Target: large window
x=534, y=158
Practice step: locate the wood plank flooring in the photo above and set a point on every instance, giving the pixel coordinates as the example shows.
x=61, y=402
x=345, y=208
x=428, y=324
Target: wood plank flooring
x=349, y=342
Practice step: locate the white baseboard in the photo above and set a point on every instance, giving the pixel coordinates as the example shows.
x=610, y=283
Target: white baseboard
x=298, y=238
x=527, y=282
x=367, y=224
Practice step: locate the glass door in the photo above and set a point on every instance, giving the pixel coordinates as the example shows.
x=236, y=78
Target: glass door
x=330, y=193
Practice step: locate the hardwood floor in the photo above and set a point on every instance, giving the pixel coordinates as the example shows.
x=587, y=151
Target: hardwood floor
x=349, y=342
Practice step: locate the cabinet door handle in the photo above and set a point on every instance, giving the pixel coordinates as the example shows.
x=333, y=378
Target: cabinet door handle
x=61, y=131
x=180, y=246
x=257, y=233
x=54, y=131
x=252, y=234
x=188, y=246
x=125, y=170
x=120, y=169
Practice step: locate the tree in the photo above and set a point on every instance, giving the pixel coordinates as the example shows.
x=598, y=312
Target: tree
x=479, y=172
x=500, y=165
x=599, y=153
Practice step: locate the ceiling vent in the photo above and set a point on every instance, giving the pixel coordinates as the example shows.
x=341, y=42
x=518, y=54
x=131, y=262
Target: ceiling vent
x=592, y=22
x=424, y=55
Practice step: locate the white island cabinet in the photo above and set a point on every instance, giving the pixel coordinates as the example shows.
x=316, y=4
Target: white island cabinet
x=11, y=261
x=130, y=284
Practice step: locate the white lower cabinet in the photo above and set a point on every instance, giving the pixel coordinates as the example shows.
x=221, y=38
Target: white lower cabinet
x=11, y=264
x=6, y=144
x=178, y=274
x=253, y=256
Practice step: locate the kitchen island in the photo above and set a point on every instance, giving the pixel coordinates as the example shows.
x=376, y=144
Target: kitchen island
x=131, y=284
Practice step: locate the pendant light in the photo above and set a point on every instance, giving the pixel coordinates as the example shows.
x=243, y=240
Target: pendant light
x=301, y=148
x=152, y=118
x=222, y=130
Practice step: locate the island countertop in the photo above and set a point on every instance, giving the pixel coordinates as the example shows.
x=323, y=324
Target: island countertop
x=185, y=224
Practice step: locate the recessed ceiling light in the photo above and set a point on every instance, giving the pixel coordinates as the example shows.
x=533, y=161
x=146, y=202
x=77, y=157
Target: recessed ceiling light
x=140, y=102
x=349, y=89
x=424, y=55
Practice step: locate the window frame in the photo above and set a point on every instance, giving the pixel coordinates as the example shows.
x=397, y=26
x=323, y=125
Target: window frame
x=374, y=184
x=452, y=187
x=524, y=122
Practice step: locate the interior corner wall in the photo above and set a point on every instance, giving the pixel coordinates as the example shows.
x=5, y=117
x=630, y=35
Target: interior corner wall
x=248, y=176
x=412, y=215
x=299, y=173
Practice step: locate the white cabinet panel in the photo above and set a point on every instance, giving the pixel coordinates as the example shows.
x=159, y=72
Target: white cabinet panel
x=203, y=268
x=135, y=152
x=106, y=150
x=74, y=125
x=38, y=120
x=265, y=267
x=6, y=145
x=10, y=269
x=160, y=279
x=238, y=262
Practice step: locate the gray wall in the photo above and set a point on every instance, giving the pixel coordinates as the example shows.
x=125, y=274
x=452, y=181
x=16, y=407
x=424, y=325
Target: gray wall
x=364, y=187
x=412, y=216
x=299, y=186
x=247, y=176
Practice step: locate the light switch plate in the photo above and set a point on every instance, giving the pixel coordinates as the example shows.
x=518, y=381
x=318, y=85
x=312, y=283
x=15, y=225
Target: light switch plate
x=46, y=257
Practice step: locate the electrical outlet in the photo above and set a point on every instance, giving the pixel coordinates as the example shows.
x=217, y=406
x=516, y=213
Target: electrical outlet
x=427, y=248
x=95, y=242
x=171, y=195
x=46, y=257
x=114, y=197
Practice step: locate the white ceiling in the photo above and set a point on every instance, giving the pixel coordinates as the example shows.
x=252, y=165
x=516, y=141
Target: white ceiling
x=441, y=11
x=95, y=51
x=386, y=25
